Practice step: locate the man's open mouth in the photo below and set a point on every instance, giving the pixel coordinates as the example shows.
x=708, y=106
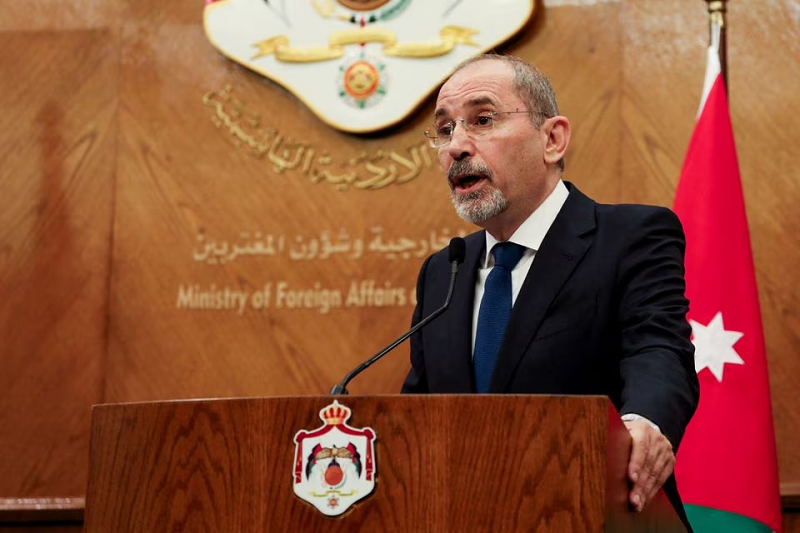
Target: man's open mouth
x=467, y=183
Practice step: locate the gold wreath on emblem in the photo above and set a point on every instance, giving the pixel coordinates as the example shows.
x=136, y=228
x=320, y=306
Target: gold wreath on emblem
x=449, y=37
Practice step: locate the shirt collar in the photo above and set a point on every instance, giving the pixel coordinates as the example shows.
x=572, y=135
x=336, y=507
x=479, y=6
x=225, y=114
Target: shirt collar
x=531, y=233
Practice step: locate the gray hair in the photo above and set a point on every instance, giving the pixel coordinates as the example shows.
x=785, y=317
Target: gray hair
x=531, y=85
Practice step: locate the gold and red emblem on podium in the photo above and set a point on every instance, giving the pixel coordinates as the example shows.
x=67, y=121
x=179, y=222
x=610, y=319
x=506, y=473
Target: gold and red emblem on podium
x=334, y=465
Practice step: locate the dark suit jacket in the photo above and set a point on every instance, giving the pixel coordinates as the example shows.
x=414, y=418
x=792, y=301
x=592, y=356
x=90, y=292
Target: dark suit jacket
x=602, y=311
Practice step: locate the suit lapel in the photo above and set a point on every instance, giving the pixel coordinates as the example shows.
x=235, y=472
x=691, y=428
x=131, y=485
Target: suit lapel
x=459, y=348
x=568, y=239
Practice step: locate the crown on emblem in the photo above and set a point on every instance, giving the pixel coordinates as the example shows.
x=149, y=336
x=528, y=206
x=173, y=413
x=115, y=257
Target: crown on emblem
x=335, y=414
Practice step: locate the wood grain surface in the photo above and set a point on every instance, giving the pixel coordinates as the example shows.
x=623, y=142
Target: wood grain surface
x=117, y=174
x=56, y=191
x=444, y=463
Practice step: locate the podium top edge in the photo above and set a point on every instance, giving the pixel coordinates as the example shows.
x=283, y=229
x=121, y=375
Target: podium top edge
x=345, y=398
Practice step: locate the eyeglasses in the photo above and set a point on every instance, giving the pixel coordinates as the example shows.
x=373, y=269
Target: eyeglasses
x=477, y=125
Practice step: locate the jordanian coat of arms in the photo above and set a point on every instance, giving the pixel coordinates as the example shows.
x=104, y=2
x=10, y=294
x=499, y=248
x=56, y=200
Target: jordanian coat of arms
x=360, y=65
x=334, y=465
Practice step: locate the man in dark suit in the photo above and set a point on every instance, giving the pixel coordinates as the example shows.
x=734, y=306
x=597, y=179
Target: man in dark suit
x=594, y=293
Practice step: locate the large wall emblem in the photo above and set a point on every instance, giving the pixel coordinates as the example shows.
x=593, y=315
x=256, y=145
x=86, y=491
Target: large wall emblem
x=360, y=65
x=334, y=465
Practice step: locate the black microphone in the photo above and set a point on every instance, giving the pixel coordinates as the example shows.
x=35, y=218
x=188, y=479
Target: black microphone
x=455, y=254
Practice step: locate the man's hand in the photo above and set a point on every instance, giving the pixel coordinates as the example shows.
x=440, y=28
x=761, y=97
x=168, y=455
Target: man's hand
x=652, y=462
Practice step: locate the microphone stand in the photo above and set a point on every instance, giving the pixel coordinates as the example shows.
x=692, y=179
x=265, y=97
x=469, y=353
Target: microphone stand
x=341, y=388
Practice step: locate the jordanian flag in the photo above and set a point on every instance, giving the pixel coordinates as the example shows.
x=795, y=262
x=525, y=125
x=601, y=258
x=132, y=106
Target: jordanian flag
x=726, y=469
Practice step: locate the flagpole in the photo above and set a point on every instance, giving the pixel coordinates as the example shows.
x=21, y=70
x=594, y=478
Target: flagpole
x=716, y=27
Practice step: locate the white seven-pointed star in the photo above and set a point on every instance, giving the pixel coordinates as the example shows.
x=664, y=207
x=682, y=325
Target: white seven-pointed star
x=713, y=346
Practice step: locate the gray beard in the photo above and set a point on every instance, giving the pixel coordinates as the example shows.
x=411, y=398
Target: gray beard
x=479, y=206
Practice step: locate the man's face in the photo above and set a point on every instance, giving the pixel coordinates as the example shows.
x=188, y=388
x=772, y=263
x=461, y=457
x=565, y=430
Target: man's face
x=498, y=179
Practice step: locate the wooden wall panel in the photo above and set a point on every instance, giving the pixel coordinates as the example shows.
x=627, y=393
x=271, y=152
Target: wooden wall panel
x=124, y=104
x=581, y=52
x=56, y=15
x=664, y=47
x=58, y=96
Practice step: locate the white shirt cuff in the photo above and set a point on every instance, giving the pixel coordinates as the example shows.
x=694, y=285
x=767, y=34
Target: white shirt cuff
x=630, y=417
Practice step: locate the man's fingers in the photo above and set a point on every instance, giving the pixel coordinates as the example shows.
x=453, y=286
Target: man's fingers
x=651, y=463
x=636, y=467
x=639, y=452
x=658, y=473
x=654, y=464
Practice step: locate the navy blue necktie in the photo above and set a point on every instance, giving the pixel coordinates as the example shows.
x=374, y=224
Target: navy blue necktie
x=494, y=312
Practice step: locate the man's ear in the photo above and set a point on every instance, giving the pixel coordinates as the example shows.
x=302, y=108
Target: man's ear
x=557, y=141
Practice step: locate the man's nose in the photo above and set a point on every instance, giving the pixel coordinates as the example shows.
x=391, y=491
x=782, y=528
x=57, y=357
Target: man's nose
x=461, y=144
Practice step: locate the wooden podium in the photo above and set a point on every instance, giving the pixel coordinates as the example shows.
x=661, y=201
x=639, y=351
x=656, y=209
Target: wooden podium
x=460, y=463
